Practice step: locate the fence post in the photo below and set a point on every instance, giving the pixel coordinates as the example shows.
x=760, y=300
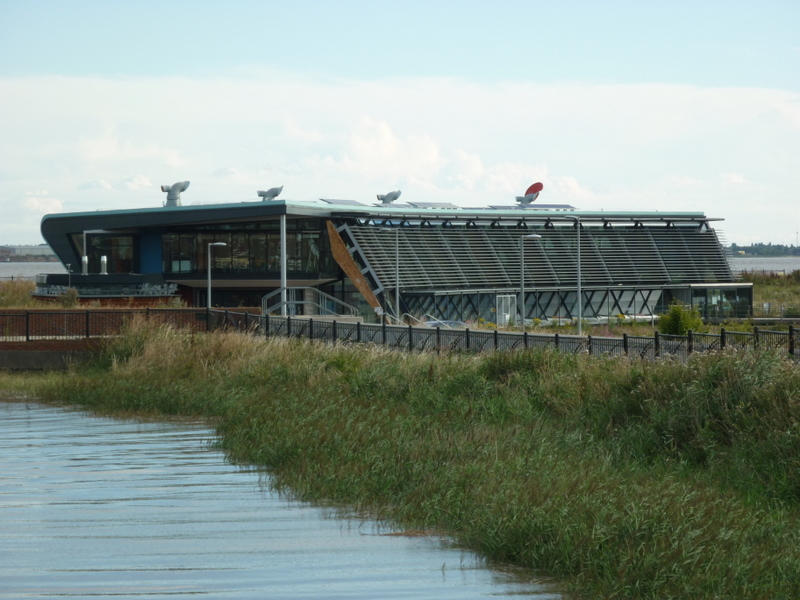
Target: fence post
x=208, y=319
x=147, y=313
x=466, y=336
x=722, y=339
x=334, y=330
x=87, y=324
x=410, y=338
x=227, y=320
x=358, y=331
x=27, y=326
x=589, y=343
x=555, y=340
x=656, y=345
x=311, y=329
x=755, y=337
x=625, y=343
x=791, y=340
x=288, y=326
x=689, y=342
x=438, y=339
x=525, y=340
x=247, y=321
x=495, y=339
x=384, y=332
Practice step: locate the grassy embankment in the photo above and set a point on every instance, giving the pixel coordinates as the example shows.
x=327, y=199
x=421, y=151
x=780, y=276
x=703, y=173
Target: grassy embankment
x=774, y=288
x=622, y=479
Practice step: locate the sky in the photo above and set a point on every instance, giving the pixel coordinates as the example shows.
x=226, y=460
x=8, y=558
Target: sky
x=614, y=106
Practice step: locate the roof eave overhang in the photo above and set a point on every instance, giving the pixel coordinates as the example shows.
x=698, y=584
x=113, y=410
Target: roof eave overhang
x=57, y=228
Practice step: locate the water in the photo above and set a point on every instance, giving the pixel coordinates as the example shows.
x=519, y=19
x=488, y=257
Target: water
x=96, y=507
x=785, y=264
x=28, y=270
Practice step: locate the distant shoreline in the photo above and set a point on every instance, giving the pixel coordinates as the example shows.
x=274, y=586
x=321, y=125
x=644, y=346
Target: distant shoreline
x=29, y=259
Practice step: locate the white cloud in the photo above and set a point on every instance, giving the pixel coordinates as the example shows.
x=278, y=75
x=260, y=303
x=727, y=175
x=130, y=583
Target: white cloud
x=42, y=206
x=626, y=147
x=733, y=179
x=571, y=190
x=108, y=148
x=136, y=182
x=95, y=184
x=684, y=181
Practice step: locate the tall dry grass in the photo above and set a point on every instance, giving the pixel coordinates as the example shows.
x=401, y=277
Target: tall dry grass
x=16, y=293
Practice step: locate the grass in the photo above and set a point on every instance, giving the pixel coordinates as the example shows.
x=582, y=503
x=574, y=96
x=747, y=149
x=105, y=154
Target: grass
x=623, y=479
x=16, y=293
x=774, y=288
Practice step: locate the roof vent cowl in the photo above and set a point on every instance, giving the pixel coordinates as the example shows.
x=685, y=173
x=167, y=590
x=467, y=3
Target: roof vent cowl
x=174, y=192
x=269, y=194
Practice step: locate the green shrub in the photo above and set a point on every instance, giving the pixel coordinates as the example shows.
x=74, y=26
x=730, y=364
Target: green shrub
x=679, y=319
x=69, y=299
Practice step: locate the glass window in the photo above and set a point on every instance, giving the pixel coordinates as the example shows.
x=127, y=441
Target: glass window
x=240, y=253
x=273, y=253
x=186, y=255
x=118, y=250
x=221, y=255
x=203, y=240
x=169, y=244
x=258, y=253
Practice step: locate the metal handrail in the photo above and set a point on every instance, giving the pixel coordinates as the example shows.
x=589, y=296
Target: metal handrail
x=411, y=317
x=435, y=320
x=265, y=309
x=390, y=317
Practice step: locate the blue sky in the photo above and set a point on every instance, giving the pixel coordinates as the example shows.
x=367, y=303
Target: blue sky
x=614, y=106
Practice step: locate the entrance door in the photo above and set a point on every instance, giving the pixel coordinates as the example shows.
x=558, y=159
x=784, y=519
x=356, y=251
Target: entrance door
x=506, y=310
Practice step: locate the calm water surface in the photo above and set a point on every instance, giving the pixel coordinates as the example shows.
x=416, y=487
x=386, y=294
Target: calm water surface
x=98, y=508
x=787, y=264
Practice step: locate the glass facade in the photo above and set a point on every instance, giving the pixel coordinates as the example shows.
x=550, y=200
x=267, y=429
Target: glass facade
x=121, y=252
x=249, y=252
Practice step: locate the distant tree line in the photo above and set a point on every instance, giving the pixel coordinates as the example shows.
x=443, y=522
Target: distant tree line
x=766, y=250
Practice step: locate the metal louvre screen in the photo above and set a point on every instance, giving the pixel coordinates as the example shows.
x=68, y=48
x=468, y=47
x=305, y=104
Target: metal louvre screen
x=460, y=257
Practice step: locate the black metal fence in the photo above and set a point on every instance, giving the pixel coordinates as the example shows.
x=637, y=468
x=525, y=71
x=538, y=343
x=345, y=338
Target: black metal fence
x=33, y=325
x=469, y=340
x=75, y=324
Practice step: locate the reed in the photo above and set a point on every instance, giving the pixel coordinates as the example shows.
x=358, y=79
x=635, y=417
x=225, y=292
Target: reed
x=16, y=293
x=624, y=479
x=775, y=288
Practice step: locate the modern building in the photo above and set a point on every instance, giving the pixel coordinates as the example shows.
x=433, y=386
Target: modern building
x=436, y=260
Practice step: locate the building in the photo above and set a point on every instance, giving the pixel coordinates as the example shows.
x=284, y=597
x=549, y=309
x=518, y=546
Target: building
x=437, y=260
x=42, y=250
